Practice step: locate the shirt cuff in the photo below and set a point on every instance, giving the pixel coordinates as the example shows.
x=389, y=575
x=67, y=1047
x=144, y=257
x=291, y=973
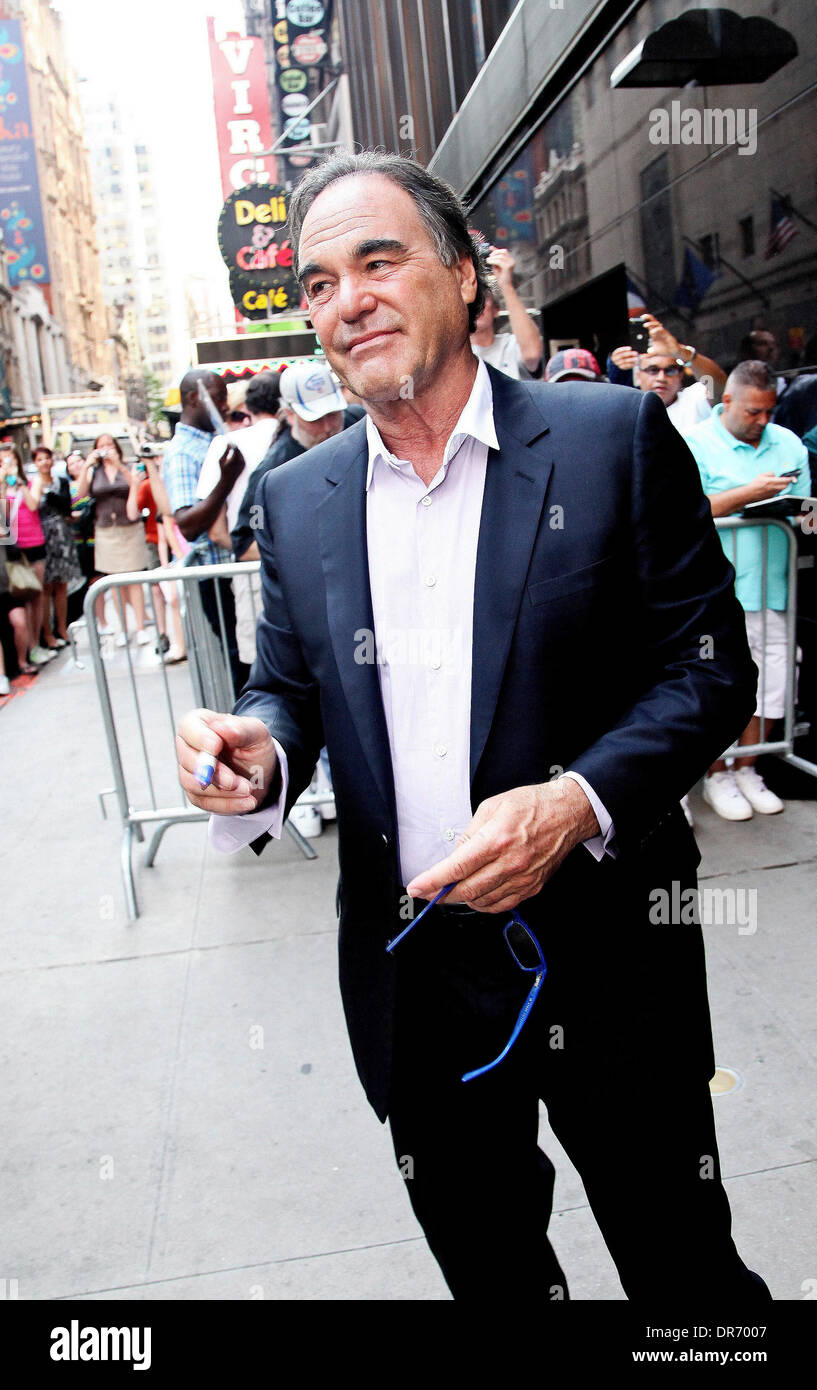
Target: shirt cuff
x=598, y=845
x=231, y=833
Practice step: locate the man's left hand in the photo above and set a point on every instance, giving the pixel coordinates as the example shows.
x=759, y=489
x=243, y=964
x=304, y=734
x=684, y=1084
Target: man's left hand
x=662, y=342
x=513, y=844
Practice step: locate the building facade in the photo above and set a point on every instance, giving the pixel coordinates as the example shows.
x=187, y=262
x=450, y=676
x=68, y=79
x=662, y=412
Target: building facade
x=134, y=278
x=73, y=297
x=701, y=198
x=698, y=194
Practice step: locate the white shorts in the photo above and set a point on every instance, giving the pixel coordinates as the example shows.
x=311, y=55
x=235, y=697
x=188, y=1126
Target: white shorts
x=771, y=659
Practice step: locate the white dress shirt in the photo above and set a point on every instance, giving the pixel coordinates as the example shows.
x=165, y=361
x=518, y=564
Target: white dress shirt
x=253, y=442
x=422, y=550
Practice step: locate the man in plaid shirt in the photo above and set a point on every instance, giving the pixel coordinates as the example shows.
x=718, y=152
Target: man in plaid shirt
x=181, y=467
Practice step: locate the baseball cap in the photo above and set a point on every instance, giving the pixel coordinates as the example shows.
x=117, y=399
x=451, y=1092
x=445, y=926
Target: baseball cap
x=310, y=389
x=572, y=362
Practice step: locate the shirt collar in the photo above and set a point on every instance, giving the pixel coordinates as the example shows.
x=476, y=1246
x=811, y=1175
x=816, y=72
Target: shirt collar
x=205, y=435
x=476, y=422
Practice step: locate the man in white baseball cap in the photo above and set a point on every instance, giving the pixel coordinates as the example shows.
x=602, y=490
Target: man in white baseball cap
x=312, y=392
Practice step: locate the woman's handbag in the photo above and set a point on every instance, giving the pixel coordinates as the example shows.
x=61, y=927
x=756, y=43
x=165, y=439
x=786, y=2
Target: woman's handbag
x=22, y=578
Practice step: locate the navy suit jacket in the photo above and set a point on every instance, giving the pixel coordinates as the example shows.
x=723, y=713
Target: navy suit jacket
x=606, y=639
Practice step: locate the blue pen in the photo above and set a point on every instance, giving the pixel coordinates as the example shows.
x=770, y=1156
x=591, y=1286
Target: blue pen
x=205, y=769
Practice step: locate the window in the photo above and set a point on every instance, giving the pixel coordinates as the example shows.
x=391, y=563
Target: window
x=747, y=235
x=710, y=250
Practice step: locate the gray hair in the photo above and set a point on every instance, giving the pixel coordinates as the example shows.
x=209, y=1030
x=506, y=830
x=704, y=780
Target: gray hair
x=441, y=211
x=756, y=374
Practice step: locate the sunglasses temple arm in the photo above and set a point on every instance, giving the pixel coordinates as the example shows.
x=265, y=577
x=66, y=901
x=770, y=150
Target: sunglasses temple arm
x=523, y=1013
x=395, y=941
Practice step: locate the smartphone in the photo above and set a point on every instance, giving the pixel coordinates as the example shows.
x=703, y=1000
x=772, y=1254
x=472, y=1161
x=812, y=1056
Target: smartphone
x=639, y=335
x=791, y=473
x=207, y=401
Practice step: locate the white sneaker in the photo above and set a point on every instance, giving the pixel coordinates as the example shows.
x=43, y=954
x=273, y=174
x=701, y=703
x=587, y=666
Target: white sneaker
x=142, y=638
x=121, y=639
x=307, y=820
x=751, y=785
x=5, y=688
x=39, y=656
x=722, y=793
x=687, y=812
x=103, y=631
x=173, y=656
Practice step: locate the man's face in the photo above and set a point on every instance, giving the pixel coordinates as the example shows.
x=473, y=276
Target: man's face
x=311, y=432
x=659, y=374
x=388, y=313
x=747, y=411
x=764, y=347
x=217, y=388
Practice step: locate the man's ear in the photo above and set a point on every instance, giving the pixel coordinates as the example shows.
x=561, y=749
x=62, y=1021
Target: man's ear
x=468, y=279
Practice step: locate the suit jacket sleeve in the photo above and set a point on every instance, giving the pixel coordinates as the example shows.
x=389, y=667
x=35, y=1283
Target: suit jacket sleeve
x=701, y=681
x=281, y=690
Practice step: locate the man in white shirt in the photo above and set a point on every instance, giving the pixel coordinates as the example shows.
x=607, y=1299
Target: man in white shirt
x=443, y=585
x=662, y=369
x=517, y=353
x=262, y=401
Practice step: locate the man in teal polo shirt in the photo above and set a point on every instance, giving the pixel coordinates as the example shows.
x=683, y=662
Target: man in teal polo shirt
x=743, y=458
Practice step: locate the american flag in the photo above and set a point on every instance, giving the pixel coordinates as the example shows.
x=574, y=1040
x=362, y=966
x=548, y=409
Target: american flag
x=781, y=230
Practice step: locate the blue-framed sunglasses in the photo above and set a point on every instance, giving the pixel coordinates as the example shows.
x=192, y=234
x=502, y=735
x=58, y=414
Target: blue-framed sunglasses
x=527, y=954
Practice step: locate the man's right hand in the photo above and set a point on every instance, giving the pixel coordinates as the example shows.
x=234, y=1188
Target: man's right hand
x=232, y=464
x=625, y=358
x=246, y=761
x=767, y=485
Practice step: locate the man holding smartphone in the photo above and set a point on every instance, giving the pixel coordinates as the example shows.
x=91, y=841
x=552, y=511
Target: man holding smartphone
x=658, y=363
x=743, y=458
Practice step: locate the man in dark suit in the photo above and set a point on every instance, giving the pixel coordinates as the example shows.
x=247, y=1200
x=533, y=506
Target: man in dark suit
x=504, y=609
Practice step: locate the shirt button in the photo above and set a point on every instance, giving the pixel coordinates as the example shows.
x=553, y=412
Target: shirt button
x=431, y=580
x=425, y=501
x=448, y=834
x=440, y=750
x=435, y=664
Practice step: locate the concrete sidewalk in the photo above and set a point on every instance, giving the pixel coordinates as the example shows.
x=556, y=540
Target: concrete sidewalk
x=182, y=1116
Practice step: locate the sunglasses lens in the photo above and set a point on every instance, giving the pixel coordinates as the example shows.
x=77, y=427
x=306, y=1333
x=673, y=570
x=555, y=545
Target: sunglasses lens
x=523, y=947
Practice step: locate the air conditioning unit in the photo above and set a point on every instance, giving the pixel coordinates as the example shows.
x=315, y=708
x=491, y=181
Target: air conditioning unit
x=319, y=134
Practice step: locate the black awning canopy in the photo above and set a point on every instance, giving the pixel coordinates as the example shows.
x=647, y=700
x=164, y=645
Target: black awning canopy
x=713, y=48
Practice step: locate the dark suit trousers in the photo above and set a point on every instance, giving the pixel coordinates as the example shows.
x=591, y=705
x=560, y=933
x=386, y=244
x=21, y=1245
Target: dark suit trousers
x=641, y=1134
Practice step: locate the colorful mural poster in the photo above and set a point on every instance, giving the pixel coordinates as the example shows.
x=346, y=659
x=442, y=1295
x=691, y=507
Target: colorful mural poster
x=21, y=213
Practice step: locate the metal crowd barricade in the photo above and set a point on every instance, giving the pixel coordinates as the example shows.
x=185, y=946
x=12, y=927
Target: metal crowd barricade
x=150, y=756
x=783, y=746
x=211, y=679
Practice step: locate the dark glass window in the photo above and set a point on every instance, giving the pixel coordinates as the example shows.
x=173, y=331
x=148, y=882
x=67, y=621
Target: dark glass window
x=495, y=15
x=463, y=47
x=710, y=250
x=747, y=235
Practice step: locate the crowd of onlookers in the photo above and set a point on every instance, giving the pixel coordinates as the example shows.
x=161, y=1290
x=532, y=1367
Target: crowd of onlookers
x=64, y=523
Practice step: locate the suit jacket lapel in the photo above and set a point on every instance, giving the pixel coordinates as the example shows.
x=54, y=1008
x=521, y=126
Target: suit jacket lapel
x=344, y=556
x=516, y=481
